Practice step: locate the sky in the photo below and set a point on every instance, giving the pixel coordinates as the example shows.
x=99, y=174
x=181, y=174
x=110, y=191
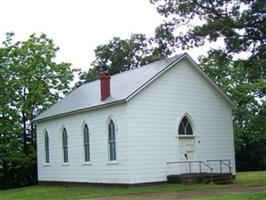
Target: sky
x=79, y=26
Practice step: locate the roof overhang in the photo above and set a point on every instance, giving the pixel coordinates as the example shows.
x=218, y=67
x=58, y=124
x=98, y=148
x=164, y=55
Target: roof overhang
x=80, y=111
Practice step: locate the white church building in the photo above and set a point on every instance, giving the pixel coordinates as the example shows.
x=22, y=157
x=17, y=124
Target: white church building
x=138, y=126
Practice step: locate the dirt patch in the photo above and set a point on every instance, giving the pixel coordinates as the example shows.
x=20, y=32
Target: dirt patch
x=187, y=194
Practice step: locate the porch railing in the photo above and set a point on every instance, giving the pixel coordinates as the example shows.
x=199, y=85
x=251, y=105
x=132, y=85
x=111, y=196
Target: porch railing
x=226, y=163
x=189, y=162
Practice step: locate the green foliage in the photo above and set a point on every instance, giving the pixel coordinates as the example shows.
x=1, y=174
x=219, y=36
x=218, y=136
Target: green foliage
x=241, y=25
x=124, y=54
x=30, y=81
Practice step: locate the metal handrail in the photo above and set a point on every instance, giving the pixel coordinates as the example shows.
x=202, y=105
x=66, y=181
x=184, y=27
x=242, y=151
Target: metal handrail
x=207, y=166
x=223, y=162
x=192, y=161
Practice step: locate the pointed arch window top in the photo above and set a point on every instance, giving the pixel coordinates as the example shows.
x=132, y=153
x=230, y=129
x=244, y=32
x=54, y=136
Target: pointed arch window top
x=185, y=127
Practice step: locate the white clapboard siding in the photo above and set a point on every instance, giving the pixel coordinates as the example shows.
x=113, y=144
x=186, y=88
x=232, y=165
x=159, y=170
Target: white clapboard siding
x=153, y=117
x=100, y=171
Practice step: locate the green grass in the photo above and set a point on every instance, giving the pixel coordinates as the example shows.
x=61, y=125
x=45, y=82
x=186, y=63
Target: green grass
x=251, y=178
x=82, y=192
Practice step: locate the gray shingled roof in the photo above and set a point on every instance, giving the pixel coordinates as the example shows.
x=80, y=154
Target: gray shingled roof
x=123, y=85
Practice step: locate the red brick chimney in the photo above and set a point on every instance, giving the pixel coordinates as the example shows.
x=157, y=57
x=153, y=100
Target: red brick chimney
x=105, y=85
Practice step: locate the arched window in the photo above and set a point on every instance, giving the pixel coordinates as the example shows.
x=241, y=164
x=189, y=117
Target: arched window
x=46, y=146
x=185, y=127
x=86, y=140
x=65, y=146
x=111, y=141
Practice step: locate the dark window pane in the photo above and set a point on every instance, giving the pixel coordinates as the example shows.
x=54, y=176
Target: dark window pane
x=47, y=157
x=87, y=153
x=189, y=129
x=65, y=146
x=111, y=141
x=86, y=134
x=65, y=155
x=46, y=141
x=184, y=121
x=111, y=131
x=86, y=143
x=181, y=130
x=64, y=137
x=185, y=127
x=112, y=151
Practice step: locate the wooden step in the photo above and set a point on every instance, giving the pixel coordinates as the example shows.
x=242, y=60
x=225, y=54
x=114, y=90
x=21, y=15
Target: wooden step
x=218, y=178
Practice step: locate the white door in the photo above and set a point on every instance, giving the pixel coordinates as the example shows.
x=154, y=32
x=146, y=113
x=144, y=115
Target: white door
x=186, y=153
x=187, y=148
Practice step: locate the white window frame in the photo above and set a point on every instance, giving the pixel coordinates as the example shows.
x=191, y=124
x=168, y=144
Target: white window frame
x=111, y=140
x=192, y=124
x=86, y=145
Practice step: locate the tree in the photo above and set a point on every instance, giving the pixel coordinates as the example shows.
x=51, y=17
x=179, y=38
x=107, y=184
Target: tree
x=11, y=142
x=241, y=25
x=31, y=81
x=124, y=54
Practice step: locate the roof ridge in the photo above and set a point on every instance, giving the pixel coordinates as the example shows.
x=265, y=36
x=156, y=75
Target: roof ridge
x=146, y=65
x=137, y=68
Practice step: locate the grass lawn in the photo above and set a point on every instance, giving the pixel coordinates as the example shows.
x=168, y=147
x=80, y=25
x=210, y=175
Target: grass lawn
x=37, y=192
x=251, y=178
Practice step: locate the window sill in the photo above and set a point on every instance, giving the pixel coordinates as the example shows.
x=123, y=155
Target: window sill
x=185, y=136
x=114, y=162
x=46, y=164
x=86, y=163
x=65, y=164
